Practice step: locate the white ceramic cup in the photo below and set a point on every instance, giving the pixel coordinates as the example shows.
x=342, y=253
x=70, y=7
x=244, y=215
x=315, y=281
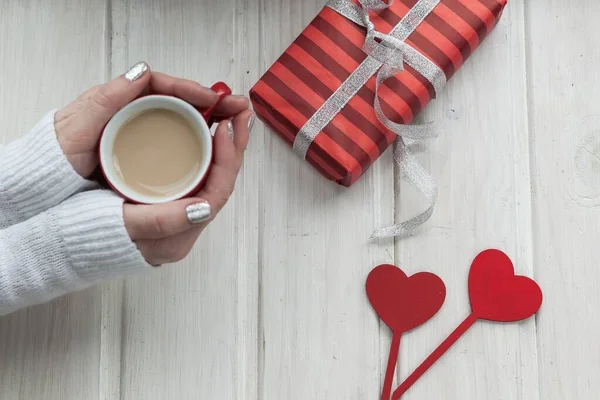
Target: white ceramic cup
x=196, y=120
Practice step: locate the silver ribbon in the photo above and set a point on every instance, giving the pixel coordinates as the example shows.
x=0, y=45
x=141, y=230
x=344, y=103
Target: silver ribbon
x=386, y=57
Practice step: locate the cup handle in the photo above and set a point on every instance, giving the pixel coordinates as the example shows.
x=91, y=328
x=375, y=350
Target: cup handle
x=223, y=91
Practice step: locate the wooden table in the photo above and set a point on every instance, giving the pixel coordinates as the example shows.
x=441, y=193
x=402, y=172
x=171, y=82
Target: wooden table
x=271, y=304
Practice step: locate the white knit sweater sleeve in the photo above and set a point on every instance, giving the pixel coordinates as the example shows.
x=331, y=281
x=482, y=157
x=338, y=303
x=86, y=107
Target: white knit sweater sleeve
x=35, y=175
x=52, y=240
x=77, y=244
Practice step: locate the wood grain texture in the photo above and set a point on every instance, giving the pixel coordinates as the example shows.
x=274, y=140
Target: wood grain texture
x=320, y=336
x=565, y=132
x=51, y=351
x=190, y=331
x=482, y=166
x=271, y=304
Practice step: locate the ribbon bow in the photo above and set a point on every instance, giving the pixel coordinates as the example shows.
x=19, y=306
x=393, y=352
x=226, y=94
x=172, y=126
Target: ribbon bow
x=385, y=48
x=392, y=52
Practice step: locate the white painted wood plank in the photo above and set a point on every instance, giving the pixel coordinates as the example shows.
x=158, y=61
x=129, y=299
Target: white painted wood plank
x=320, y=337
x=565, y=118
x=111, y=338
x=190, y=331
x=482, y=169
x=49, y=53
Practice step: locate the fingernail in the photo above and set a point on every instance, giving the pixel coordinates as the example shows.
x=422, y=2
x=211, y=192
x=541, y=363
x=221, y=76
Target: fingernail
x=251, y=122
x=136, y=72
x=199, y=212
x=230, y=129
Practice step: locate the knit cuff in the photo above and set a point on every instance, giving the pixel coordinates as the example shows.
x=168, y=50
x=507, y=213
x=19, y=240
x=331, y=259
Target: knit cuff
x=98, y=246
x=35, y=175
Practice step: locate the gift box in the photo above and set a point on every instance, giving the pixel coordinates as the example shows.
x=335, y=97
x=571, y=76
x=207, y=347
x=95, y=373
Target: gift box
x=326, y=95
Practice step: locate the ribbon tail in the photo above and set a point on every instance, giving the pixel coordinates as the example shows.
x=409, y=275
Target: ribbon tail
x=416, y=133
x=421, y=179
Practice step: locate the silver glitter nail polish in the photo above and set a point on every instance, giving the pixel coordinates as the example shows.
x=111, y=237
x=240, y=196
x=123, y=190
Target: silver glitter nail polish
x=199, y=212
x=136, y=72
x=251, y=122
x=230, y=129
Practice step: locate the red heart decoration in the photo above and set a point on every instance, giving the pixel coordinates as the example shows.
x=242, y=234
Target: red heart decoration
x=497, y=294
x=402, y=302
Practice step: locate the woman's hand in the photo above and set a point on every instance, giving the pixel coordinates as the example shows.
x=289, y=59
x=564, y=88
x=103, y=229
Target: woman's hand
x=164, y=233
x=79, y=125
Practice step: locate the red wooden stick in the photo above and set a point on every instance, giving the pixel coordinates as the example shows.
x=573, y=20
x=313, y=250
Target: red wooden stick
x=392, y=360
x=433, y=357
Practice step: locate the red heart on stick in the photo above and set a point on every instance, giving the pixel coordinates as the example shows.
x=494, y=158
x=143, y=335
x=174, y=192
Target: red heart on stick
x=497, y=294
x=403, y=302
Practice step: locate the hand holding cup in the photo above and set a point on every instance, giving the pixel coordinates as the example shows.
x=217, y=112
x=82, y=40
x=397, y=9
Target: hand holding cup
x=166, y=231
